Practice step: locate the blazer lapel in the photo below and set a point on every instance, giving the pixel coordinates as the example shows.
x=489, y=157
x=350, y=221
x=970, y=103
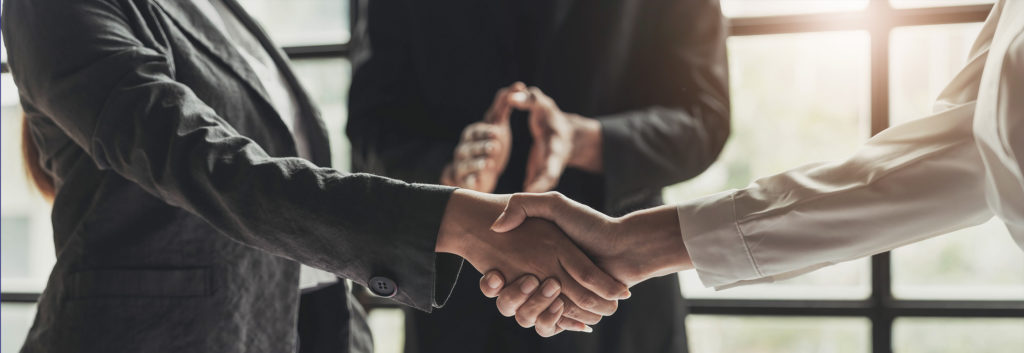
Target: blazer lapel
x=208, y=36
x=315, y=131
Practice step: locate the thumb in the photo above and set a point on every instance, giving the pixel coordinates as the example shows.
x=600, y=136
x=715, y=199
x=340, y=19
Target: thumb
x=510, y=218
x=521, y=206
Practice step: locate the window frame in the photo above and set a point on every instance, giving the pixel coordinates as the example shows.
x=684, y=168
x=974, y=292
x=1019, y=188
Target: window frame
x=881, y=307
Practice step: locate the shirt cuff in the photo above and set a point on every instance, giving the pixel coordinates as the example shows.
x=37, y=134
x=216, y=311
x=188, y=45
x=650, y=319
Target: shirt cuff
x=715, y=243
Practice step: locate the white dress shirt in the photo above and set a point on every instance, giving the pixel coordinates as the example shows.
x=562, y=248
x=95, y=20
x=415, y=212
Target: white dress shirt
x=954, y=169
x=276, y=87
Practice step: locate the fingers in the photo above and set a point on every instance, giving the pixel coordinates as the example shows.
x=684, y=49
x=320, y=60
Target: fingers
x=542, y=308
x=467, y=167
x=529, y=98
x=492, y=283
x=569, y=324
x=537, y=303
x=547, y=322
x=578, y=314
x=477, y=152
x=548, y=158
x=595, y=280
x=512, y=297
x=480, y=131
x=588, y=300
x=501, y=108
x=477, y=149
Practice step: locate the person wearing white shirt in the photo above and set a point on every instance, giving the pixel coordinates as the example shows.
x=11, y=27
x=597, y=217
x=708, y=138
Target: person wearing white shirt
x=954, y=169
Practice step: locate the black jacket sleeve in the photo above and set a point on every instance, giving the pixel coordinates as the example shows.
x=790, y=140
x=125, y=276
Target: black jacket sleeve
x=683, y=74
x=388, y=126
x=81, y=64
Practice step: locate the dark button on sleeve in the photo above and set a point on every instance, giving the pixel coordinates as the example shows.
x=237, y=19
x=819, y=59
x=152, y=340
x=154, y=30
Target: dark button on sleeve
x=383, y=286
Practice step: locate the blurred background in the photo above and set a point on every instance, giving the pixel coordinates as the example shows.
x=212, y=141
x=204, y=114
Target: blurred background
x=810, y=81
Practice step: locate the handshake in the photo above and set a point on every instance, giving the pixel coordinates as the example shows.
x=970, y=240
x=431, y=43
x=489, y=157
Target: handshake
x=586, y=259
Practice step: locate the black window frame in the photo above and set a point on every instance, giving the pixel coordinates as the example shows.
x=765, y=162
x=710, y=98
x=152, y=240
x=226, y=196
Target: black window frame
x=881, y=307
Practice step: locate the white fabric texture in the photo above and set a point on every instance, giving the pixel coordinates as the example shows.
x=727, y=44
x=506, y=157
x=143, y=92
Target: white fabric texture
x=954, y=169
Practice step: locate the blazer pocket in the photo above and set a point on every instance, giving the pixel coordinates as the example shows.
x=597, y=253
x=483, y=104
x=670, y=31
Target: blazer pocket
x=155, y=283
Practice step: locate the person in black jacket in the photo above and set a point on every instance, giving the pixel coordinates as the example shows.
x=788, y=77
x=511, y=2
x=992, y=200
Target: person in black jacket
x=617, y=100
x=191, y=178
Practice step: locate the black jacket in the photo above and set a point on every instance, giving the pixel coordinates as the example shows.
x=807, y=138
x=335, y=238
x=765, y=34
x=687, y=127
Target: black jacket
x=653, y=72
x=179, y=214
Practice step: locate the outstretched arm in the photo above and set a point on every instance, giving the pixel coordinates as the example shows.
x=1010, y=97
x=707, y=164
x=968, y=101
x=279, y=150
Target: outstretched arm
x=81, y=65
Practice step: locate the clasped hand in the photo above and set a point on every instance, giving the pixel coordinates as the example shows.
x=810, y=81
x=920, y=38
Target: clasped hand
x=560, y=140
x=578, y=292
x=631, y=249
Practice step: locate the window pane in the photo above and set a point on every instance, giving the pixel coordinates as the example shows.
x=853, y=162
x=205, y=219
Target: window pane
x=796, y=98
x=748, y=8
x=327, y=81
x=935, y=3
x=16, y=319
x=388, y=329
x=3, y=47
x=302, y=22
x=975, y=263
x=923, y=60
x=714, y=334
x=26, y=235
x=949, y=335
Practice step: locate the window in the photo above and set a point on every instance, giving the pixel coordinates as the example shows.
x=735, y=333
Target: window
x=873, y=63
x=810, y=81
x=790, y=92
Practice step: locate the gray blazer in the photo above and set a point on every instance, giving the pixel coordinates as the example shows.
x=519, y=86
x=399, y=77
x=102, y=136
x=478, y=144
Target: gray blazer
x=179, y=215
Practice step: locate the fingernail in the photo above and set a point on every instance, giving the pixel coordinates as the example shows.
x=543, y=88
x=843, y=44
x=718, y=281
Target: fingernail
x=529, y=285
x=493, y=281
x=627, y=294
x=587, y=329
x=519, y=96
x=551, y=288
x=556, y=306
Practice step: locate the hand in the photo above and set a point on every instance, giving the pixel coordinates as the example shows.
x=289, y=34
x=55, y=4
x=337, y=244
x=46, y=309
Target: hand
x=559, y=140
x=535, y=247
x=542, y=310
x=633, y=248
x=483, y=152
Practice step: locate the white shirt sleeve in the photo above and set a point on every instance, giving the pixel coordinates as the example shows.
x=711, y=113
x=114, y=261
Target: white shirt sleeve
x=908, y=183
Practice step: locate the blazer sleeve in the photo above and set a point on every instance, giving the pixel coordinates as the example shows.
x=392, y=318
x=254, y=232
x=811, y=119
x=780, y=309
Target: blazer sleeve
x=683, y=75
x=80, y=63
x=389, y=126
x=911, y=182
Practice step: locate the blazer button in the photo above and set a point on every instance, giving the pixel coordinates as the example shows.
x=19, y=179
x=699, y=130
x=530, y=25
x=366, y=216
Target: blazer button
x=383, y=286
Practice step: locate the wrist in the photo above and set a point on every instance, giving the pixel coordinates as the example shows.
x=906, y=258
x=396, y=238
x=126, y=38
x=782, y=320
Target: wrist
x=656, y=241
x=586, y=144
x=467, y=215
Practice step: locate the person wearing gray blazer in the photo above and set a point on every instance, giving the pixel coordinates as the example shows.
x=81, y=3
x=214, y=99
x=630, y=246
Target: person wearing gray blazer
x=181, y=213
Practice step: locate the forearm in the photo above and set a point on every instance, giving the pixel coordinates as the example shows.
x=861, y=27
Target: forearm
x=465, y=216
x=909, y=183
x=654, y=240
